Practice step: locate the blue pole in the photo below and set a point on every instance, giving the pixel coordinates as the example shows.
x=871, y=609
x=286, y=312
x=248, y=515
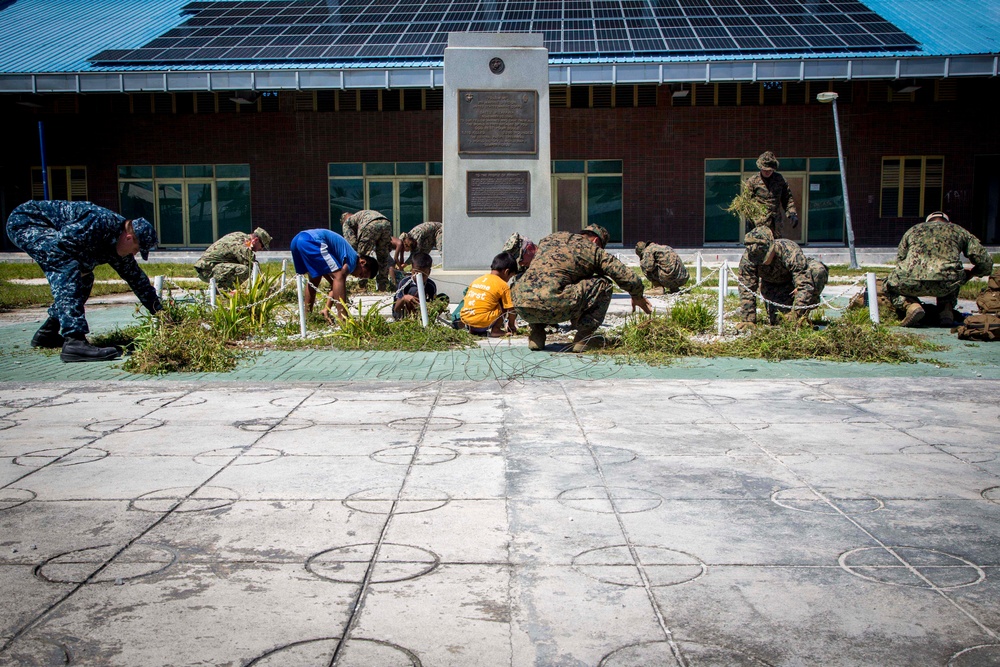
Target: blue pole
x=45, y=171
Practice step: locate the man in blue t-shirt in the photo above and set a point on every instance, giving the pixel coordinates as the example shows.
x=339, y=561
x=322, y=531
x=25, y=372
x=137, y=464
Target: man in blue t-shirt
x=321, y=254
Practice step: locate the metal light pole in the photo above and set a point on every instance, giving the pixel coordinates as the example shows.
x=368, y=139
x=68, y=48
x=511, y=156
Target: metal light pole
x=832, y=97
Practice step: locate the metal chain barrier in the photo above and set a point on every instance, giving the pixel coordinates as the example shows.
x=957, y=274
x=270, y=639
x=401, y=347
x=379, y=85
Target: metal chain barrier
x=822, y=301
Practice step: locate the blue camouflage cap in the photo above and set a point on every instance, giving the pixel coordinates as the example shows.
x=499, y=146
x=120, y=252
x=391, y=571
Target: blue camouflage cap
x=145, y=234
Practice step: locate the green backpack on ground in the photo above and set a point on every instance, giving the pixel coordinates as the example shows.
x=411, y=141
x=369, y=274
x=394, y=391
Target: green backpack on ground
x=984, y=327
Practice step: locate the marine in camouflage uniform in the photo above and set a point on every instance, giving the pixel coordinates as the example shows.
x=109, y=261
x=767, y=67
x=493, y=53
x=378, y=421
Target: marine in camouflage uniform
x=773, y=192
x=69, y=239
x=783, y=274
x=570, y=279
x=929, y=263
x=230, y=259
x=662, y=266
x=522, y=250
x=423, y=238
x=370, y=233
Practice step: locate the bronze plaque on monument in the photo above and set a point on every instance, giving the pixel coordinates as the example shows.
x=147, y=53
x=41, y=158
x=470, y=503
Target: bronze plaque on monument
x=498, y=122
x=492, y=192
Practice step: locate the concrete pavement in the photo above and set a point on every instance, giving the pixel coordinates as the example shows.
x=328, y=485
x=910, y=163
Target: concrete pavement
x=618, y=522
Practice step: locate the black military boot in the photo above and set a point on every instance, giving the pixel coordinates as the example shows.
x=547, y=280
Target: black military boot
x=47, y=335
x=78, y=349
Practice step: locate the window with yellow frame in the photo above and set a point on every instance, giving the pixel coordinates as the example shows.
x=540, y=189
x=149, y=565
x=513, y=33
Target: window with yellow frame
x=912, y=185
x=65, y=183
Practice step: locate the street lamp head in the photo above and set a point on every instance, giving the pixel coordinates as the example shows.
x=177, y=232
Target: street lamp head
x=826, y=97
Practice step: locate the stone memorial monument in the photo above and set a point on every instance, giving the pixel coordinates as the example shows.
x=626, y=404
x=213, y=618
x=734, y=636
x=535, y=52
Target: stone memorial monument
x=496, y=163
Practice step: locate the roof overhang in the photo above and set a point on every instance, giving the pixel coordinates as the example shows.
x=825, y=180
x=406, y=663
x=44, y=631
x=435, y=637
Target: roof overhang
x=584, y=73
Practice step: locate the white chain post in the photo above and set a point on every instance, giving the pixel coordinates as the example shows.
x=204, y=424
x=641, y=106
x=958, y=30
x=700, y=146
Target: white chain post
x=423, y=298
x=254, y=273
x=213, y=291
x=872, y=299
x=302, y=304
x=158, y=286
x=284, y=269
x=697, y=268
x=723, y=288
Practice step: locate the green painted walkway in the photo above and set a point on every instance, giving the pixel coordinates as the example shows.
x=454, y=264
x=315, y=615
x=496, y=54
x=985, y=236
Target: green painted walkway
x=503, y=362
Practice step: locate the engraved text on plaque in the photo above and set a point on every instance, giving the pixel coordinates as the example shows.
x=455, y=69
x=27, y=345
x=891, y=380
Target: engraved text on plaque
x=498, y=122
x=503, y=192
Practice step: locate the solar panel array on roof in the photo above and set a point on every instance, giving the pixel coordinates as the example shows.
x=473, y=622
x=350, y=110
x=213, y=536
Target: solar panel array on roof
x=316, y=30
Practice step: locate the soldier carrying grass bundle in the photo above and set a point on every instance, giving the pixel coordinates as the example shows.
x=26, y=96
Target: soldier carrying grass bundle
x=771, y=191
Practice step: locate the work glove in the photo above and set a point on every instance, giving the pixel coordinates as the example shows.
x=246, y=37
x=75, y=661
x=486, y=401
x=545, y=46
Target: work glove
x=794, y=219
x=797, y=318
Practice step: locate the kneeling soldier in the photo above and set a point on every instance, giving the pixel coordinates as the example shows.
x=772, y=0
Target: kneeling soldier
x=783, y=274
x=662, y=266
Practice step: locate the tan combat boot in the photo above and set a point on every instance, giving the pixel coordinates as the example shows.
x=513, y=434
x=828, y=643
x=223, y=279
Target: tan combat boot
x=583, y=340
x=536, y=337
x=914, y=313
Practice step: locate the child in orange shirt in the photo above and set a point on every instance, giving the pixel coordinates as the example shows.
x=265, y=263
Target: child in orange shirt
x=488, y=299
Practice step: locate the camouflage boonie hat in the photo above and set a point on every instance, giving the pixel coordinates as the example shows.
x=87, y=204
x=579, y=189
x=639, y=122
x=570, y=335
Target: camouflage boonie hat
x=601, y=232
x=767, y=160
x=145, y=234
x=640, y=247
x=265, y=238
x=758, y=241
x=937, y=215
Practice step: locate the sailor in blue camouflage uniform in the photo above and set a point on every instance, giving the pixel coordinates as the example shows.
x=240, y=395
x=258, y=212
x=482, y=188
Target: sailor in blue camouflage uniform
x=69, y=239
x=570, y=279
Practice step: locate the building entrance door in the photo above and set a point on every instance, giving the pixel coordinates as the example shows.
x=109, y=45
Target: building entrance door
x=567, y=203
x=986, y=199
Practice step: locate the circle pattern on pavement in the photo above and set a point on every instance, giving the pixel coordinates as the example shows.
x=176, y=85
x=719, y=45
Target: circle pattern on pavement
x=984, y=655
x=412, y=500
x=172, y=401
x=137, y=560
x=823, y=398
x=356, y=653
x=295, y=401
x=662, y=566
x=695, y=655
x=395, y=562
x=582, y=456
x=825, y=500
x=124, y=425
x=915, y=567
x=425, y=455
x=191, y=499
x=430, y=423
x=239, y=456
x=61, y=457
x=22, y=403
x=12, y=497
x=702, y=399
x=36, y=652
x=6, y=424
x=601, y=500
x=992, y=494
x=440, y=401
x=274, y=424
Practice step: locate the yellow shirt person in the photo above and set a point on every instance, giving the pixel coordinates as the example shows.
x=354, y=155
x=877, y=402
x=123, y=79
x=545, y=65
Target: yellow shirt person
x=488, y=299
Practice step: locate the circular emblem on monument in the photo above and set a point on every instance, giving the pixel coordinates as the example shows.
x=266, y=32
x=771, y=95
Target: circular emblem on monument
x=497, y=66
